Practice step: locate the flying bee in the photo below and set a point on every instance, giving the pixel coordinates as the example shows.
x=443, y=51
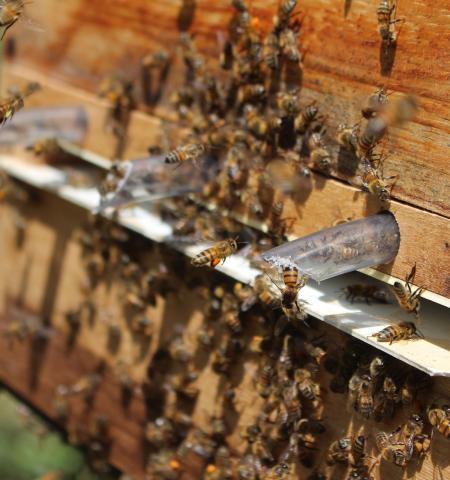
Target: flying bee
x=398, y=453
x=408, y=301
x=339, y=451
x=346, y=136
x=271, y=51
x=401, y=331
x=16, y=102
x=367, y=140
x=375, y=103
x=375, y=184
x=319, y=154
x=439, y=418
x=385, y=11
x=289, y=45
x=189, y=152
x=10, y=12
x=213, y=255
x=304, y=119
x=368, y=293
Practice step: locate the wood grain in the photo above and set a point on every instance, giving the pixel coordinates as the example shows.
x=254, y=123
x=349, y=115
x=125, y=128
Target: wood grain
x=321, y=203
x=42, y=278
x=341, y=67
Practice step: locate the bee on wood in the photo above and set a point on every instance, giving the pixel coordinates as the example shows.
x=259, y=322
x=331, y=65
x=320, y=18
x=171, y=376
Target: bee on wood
x=61, y=402
x=394, y=333
x=374, y=183
x=179, y=350
x=285, y=9
x=213, y=255
x=306, y=386
x=163, y=465
x=361, y=393
x=407, y=299
x=339, y=451
x=279, y=226
x=262, y=126
x=305, y=118
x=315, y=352
x=278, y=472
x=346, y=136
x=189, y=152
x=160, y=432
x=251, y=93
x=87, y=385
x=368, y=293
x=439, y=418
x=375, y=103
x=386, y=399
x=264, y=381
x=205, y=337
x=367, y=140
x=398, y=453
x=289, y=45
x=385, y=12
x=422, y=444
x=292, y=404
x=288, y=103
x=319, y=154
x=224, y=353
x=231, y=320
x=357, y=451
x=10, y=12
x=271, y=51
x=16, y=102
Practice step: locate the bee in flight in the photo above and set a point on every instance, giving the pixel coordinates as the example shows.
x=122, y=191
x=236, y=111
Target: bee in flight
x=213, y=255
x=191, y=151
x=16, y=102
x=394, y=333
x=408, y=301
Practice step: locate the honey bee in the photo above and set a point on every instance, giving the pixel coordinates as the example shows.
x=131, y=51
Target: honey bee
x=285, y=9
x=265, y=291
x=213, y=255
x=346, y=136
x=163, y=465
x=376, y=367
x=375, y=184
x=367, y=140
x=357, y=451
x=61, y=403
x=232, y=321
x=315, y=352
x=361, y=394
x=408, y=301
x=264, y=382
x=271, y=51
x=289, y=45
x=422, y=444
x=304, y=119
x=386, y=399
x=439, y=418
x=369, y=293
x=398, y=453
x=10, y=12
x=288, y=103
x=189, y=152
x=306, y=386
x=16, y=102
x=261, y=126
x=375, y=103
x=251, y=93
x=87, y=385
x=293, y=282
x=339, y=451
x=385, y=11
x=160, y=432
x=319, y=154
x=278, y=472
x=394, y=333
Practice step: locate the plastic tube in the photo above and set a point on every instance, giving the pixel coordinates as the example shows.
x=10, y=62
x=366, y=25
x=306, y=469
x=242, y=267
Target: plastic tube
x=349, y=246
x=151, y=179
x=33, y=124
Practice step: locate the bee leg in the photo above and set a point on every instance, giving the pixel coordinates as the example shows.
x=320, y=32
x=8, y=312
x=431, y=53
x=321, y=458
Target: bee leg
x=7, y=28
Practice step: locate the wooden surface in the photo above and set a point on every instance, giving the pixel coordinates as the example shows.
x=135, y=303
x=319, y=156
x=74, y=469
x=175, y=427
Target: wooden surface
x=341, y=67
x=44, y=278
x=325, y=202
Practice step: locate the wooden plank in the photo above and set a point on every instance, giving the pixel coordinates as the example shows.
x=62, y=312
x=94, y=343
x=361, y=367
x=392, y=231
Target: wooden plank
x=324, y=202
x=341, y=66
x=50, y=259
